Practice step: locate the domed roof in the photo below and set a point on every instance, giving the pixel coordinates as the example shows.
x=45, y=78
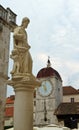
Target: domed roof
x=48, y=71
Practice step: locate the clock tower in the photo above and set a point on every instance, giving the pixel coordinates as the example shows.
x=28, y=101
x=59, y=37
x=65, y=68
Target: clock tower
x=48, y=96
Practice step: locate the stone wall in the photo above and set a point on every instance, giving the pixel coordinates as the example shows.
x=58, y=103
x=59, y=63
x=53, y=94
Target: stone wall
x=6, y=20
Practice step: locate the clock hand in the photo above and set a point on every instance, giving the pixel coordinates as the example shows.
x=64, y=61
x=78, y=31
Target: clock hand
x=44, y=87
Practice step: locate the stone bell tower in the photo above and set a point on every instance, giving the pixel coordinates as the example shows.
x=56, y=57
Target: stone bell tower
x=7, y=24
x=48, y=96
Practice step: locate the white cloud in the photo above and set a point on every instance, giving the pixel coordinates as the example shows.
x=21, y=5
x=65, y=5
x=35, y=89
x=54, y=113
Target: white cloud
x=72, y=66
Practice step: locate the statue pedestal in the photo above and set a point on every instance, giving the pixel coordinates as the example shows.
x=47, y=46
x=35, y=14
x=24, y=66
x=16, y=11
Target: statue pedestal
x=23, y=105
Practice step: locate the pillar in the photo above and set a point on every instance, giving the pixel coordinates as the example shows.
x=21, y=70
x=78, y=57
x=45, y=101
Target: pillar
x=23, y=105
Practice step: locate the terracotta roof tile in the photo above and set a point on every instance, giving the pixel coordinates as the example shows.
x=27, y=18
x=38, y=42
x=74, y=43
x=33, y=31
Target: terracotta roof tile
x=67, y=90
x=67, y=108
x=10, y=100
x=9, y=111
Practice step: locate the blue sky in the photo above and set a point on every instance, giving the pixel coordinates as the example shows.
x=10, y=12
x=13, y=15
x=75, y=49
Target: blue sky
x=53, y=31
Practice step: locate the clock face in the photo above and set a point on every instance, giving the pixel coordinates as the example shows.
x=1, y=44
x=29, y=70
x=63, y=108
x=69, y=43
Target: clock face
x=46, y=88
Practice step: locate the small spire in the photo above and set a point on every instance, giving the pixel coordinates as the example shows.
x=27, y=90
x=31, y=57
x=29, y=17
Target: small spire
x=48, y=62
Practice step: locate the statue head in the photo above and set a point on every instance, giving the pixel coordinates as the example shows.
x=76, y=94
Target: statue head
x=25, y=20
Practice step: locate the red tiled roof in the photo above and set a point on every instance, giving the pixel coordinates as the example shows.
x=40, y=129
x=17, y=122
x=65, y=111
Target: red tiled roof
x=9, y=111
x=10, y=100
x=67, y=108
x=69, y=90
x=48, y=71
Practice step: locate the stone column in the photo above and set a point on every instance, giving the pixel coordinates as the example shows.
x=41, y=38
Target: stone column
x=23, y=108
x=23, y=105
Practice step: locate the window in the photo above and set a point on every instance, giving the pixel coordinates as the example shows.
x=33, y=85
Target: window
x=72, y=100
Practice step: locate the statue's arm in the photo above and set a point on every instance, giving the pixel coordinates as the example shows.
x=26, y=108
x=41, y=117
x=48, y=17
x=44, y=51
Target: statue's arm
x=20, y=47
x=17, y=35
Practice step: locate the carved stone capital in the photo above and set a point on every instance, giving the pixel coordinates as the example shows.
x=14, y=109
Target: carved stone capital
x=27, y=82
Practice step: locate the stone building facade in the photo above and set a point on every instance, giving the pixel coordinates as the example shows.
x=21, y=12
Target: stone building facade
x=70, y=94
x=7, y=23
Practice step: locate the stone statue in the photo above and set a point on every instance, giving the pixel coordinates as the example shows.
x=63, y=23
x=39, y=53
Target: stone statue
x=20, y=54
x=16, y=65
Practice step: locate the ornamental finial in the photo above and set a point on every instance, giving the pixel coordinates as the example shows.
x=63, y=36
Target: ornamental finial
x=48, y=62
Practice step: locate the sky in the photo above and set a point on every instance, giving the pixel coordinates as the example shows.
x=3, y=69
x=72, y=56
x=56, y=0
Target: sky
x=53, y=31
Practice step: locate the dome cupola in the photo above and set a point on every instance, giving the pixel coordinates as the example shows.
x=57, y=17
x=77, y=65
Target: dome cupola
x=48, y=72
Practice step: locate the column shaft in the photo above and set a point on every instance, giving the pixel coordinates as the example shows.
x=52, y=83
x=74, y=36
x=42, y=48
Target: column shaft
x=23, y=110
